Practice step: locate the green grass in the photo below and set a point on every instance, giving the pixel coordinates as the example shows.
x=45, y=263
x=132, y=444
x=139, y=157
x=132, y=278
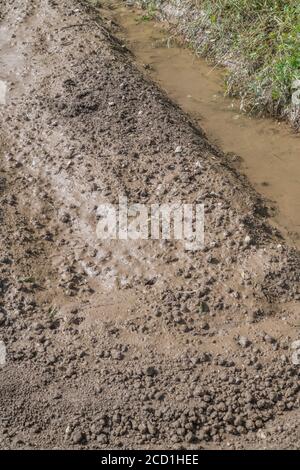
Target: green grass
x=150, y=12
x=260, y=39
x=265, y=35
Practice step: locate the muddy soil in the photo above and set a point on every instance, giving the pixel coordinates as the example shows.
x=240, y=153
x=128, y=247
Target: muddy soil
x=114, y=344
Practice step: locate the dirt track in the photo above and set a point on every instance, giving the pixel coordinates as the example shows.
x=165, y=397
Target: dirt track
x=139, y=345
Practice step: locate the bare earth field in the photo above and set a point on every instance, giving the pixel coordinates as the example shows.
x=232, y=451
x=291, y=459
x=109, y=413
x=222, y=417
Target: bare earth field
x=114, y=344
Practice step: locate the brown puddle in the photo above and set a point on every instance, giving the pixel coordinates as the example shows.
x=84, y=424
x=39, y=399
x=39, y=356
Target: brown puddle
x=269, y=150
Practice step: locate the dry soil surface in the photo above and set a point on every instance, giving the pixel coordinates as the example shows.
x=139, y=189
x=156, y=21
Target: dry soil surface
x=129, y=344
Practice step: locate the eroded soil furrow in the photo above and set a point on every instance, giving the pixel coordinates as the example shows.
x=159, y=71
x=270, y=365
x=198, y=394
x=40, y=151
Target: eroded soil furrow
x=129, y=344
